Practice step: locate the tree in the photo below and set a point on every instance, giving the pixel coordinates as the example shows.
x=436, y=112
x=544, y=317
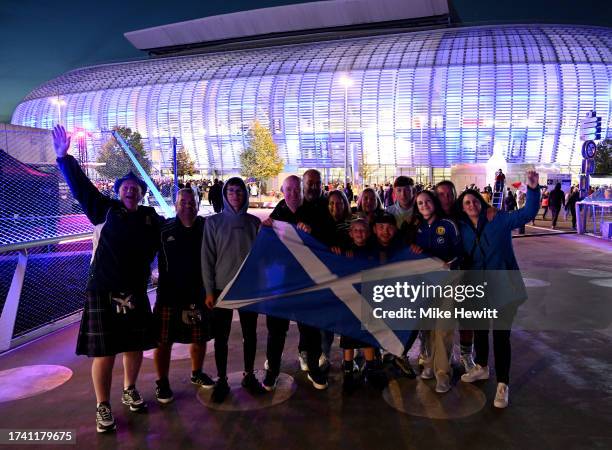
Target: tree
x=260, y=158
x=184, y=164
x=603, y=157
x=116, y=162
x=367, y=170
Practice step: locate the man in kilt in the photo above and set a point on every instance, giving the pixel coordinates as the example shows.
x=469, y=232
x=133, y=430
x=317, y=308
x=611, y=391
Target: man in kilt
x=179, y=310
x=117, y=316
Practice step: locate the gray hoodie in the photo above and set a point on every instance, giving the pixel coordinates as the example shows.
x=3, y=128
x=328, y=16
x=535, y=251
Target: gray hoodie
x=228, y=238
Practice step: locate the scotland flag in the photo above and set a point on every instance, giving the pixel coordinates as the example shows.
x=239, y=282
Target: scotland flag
x=289, y=274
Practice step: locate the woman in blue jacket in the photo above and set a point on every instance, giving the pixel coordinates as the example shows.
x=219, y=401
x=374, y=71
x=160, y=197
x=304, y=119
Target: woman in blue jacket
x=486, y=234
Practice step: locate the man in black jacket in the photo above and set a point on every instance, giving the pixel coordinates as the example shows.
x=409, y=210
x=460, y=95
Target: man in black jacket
x=116, y=316
x=179, y=312
x=215, y=195
x=309, y=212
x=556, y=198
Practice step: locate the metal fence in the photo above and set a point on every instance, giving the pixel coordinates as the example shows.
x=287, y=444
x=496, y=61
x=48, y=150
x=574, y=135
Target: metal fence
x=45, y=238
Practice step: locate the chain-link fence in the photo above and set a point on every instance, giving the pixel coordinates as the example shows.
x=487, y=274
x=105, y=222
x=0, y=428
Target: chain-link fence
x=45, y=238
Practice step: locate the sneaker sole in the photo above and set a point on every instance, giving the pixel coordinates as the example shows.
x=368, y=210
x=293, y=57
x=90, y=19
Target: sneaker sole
x=204, y=386
x=269, y=388
x=165, y=401
x=133, y=408
x=316, y=385
x=443, y=390
x=502, y=406
x=109, y=429
x=484, y=377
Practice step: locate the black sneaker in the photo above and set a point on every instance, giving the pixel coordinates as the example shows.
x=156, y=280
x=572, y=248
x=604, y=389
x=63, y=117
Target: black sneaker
x=351, y=378
x=132, y=398
x=270, y=380
x=105, y=422
x=403, y=364
x=375, y=375
x=220, y=391
x=203, y=380
x=163, y=393
x=319, y=381
x=252, y=384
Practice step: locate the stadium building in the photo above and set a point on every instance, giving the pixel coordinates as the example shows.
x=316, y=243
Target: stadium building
x=391, y=84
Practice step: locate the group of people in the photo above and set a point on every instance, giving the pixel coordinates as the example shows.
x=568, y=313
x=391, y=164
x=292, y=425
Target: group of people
x=198, y=257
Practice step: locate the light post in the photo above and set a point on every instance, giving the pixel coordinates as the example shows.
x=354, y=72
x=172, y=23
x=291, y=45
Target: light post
x=346, y=82
x=59, y=103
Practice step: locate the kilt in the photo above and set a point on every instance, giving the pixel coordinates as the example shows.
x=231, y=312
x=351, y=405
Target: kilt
x=348, y=343
x=106, y=332
x=170, y=327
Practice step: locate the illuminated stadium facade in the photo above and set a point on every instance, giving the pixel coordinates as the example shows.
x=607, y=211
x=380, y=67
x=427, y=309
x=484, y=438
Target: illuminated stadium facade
x=418, y=100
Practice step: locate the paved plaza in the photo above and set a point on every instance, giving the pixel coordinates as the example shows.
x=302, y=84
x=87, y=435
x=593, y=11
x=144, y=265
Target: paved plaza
x=560, y=397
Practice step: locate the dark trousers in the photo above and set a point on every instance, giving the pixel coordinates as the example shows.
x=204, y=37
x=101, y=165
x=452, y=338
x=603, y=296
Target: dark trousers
x=501, y=344
x=277, y=333
x=410, y=342
x=555, y=215
x=310, y=341
x=572, y=209
x=222, y=325
x=501, y=351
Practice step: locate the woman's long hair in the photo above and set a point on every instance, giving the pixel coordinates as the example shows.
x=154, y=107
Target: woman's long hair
x=379, y=206
x=458, y=207
x=417, y=217
x=346, y=210
x=410, y=229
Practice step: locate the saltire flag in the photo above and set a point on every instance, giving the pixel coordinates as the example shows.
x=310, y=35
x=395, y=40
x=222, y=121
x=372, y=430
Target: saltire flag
x=289, y=274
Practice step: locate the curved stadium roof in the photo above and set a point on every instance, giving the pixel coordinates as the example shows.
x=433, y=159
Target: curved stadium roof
x=430, y=98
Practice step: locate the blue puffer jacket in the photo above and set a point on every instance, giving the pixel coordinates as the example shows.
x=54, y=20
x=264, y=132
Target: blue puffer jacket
x=489, y=247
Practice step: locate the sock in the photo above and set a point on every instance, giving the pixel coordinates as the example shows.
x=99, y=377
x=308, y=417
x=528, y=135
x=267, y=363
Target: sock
x=466, y=349
x=103, y=403
x=131, y=386
x=196, y=372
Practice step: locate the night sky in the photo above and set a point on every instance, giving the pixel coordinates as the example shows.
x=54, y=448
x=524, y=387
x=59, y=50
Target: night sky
x=40, y=41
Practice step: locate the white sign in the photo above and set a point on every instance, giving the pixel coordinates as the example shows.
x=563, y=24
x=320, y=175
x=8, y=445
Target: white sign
x=564, y=178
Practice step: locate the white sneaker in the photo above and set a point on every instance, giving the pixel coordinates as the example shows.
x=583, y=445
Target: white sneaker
x=442, y=382
x=303, y=359
x=501, y=396
x=476, y=373
x=427, y=373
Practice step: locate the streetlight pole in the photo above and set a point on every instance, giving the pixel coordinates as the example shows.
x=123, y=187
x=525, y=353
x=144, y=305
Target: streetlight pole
x=58, y=102
x=346, y=83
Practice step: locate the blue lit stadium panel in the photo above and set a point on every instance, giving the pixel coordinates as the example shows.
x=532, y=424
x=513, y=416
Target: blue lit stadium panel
x=429, y=98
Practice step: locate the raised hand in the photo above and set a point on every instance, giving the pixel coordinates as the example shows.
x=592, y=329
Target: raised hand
x=533, y=179
x=61, y=141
